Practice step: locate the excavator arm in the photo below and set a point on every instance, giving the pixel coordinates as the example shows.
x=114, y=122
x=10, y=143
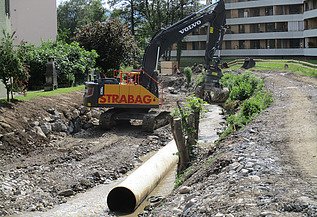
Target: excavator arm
x=213, y=14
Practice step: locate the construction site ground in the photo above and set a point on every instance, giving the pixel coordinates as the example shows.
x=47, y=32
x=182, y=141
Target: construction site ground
x=266, y=169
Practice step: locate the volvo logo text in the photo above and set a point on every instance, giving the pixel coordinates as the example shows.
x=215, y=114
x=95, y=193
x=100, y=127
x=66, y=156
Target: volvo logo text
x=191, y=26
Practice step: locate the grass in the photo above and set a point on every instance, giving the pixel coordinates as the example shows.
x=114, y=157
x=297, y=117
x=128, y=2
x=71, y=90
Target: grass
x=296, y=68
x=278, y=65
x=312, y=61
x=35, y=94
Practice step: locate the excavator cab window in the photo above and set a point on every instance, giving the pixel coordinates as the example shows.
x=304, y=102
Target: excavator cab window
x=129, y=77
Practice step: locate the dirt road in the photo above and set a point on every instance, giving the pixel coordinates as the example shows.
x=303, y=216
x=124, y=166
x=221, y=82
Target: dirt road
x=267, y=169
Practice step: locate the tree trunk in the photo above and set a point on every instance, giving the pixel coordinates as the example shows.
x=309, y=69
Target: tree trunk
x=8, y=94
x=179, y=138
x=132, y=17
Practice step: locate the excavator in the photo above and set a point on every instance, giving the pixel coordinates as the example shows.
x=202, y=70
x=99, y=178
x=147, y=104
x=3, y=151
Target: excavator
x=135, y=95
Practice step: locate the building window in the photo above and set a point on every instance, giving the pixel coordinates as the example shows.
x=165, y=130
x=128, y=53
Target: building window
x=255, y=44
x=241, y=13
x=228, y=14
x=241, y=29
x=228, y=45
x=242, y=44
x=270, y=44
x=295, y=9
x=269, y=11
x=269, y=27
x=295, y=43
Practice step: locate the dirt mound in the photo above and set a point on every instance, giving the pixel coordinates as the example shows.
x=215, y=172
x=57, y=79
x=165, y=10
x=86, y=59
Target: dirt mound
x=25, y=126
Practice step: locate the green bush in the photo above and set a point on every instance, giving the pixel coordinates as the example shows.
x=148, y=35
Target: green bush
x=241, y=86
x=249, y=91
x=72, y=62
x=188, y=73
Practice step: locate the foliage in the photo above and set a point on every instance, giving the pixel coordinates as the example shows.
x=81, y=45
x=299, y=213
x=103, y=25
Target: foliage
x=200, y=79
x=12, y=70
x=241, y=86
x=249, y=90
x=146, y=18
x=73, y=14
x=192, y=104
x=72, y=62
x=188, y=74
x=112, y=41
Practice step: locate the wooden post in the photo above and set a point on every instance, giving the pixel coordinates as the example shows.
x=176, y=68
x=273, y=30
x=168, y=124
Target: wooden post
x=191, y=139
x=179, y=138
x=196, y=126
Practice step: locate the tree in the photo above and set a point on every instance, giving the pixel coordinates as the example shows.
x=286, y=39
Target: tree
x=146, y=17
x=73, y=14
x=113, y=42
x=72, y=62
x=11, y=65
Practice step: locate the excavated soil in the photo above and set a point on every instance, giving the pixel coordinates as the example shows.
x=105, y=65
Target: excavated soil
x=266, y=169
x=52, y=148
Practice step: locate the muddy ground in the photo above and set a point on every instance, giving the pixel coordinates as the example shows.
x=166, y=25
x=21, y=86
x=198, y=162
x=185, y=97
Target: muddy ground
x=52, y=148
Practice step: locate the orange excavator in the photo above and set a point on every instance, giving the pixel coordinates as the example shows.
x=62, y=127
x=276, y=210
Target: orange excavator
x=135, y=95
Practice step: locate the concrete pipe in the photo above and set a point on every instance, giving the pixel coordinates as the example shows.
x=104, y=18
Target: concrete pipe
x=129, y=194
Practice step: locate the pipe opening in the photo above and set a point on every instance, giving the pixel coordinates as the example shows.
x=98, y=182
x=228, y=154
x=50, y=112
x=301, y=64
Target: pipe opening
x=121, y=199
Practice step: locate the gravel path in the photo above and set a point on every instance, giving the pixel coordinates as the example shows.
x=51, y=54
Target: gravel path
x=266, y=169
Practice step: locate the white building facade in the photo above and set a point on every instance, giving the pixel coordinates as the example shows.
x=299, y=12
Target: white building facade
x=33, y=21
x=264, y=28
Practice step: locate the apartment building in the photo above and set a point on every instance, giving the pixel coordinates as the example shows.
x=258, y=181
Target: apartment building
x=32, y=21
x=264, y=28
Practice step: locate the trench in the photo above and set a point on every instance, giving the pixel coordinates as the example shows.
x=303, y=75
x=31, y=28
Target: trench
x=93, y=202
x=124, y=200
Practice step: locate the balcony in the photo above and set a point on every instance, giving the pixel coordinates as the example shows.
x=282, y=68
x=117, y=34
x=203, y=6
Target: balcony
x=310, y=33
x=261, y=3
x=254, y=52
x=265, y=35
x=310, y=14
x=265, y=19
x=310, y=52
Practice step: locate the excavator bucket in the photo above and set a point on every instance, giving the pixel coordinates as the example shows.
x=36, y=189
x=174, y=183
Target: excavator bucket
x=248, y=63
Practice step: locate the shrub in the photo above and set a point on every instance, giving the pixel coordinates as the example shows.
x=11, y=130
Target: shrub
x=249, y=90
x=241, y=86
x=188, y=73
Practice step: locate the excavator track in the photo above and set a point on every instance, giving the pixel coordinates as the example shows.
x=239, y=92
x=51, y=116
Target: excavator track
x=152, y=121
